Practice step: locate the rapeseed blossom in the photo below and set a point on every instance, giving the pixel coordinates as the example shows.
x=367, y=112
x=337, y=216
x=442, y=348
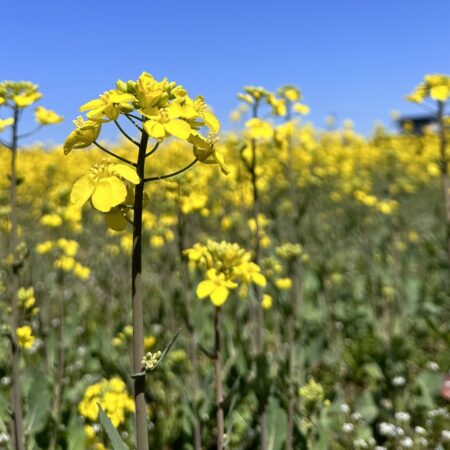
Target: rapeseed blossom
x=226, y=267
x=112, y=395
x=104, y=185
x=25, y=337
x=45, y=116
x=435, y=86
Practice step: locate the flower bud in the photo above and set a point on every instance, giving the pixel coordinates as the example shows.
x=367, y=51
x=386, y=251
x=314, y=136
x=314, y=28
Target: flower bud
x=122, y=86
x=131, y=86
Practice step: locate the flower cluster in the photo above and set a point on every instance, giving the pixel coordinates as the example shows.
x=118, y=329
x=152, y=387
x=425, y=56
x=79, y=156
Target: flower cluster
x=164, y=110
x=226, y=265
x=435, y=86
x=25, y=337
x=112, y=395
x=27, y=301
x=65, y=252
x=20, y=95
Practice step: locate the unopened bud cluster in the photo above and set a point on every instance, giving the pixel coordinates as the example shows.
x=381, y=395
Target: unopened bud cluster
x=150, y=360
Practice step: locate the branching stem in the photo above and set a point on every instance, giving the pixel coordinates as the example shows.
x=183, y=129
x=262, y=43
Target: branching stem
x=103, y=149
x=126, y=134
x=170, y=175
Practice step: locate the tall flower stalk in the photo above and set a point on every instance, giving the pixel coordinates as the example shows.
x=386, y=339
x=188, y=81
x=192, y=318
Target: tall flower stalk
x=157, y=110
x=255, y=96
x=290, y=96
x=16, y=96
x=258, y=129
x=188, y=316
x=437, y=88
x=226, y=266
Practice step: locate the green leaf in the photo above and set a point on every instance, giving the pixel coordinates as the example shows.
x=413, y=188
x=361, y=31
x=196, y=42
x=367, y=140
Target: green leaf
x=277, y=421
x=38, y=405
x=365, y=404
x=76, y=437
x=166, y=350
x=112, y=433
x=429, y=384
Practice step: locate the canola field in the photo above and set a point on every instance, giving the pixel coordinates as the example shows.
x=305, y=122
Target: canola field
x=278, y=286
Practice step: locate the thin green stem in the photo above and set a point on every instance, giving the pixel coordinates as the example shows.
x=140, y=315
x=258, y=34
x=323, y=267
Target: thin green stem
x=103, y=149
x=218, y=380
x=4, y=144
x=131, y=117
x=16, y=407
x=153, y=150
x=126, y=134
x=443, y=165
x=188, y=316
x=30, y=133
x=170, y=175
x=60, y=364
x=258, y=311
x=136, y=290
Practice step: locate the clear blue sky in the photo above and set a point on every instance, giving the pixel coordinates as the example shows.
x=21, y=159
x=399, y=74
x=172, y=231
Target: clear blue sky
x=355, y=58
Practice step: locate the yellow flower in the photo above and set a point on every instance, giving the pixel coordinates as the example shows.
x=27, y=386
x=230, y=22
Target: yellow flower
x=26, y=99
x=44, y=247
x=112, y=396
x=89, y=431
x=156, y=241
x=216, y=287
x=65, y=263
x=249, y=272
x=278, y=105
x=266, y=301
x=25, y=336
x=301, y=108
x=116, y=341
x=104, y=186
x=81, y=272
x=283, y=283
x=83, y=136
x=150, y=92
x=45, y=116
x=51, y=220
x=128, y=330
x=69, y=246
x=165, y=122
x=149, y=342
x=290, y=92
x=206, y=152
x=5, y=123
x=109, y=105
x=311, y=392
x=259, y=129
x=435, y=86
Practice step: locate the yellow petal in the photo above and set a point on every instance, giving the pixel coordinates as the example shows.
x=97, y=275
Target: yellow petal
x=219, y=295
x=220, y=160
x=127, y=172
x=154, y=129
x=205, y=288
x=259, y=279
x=91, y=105
x=115, y=220
x=212, y=122
x=439, y=93
x=301, y=108
x=109, y=192
x=178, y=128
x=82, y=190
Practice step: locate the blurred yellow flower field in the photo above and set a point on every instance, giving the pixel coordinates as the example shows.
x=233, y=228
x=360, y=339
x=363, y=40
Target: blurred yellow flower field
x=321, y=258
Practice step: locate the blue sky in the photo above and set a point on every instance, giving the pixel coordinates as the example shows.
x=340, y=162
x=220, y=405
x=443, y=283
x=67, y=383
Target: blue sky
x=356, y=58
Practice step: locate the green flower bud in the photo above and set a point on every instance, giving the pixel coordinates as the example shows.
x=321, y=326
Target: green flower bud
x=122, y=86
